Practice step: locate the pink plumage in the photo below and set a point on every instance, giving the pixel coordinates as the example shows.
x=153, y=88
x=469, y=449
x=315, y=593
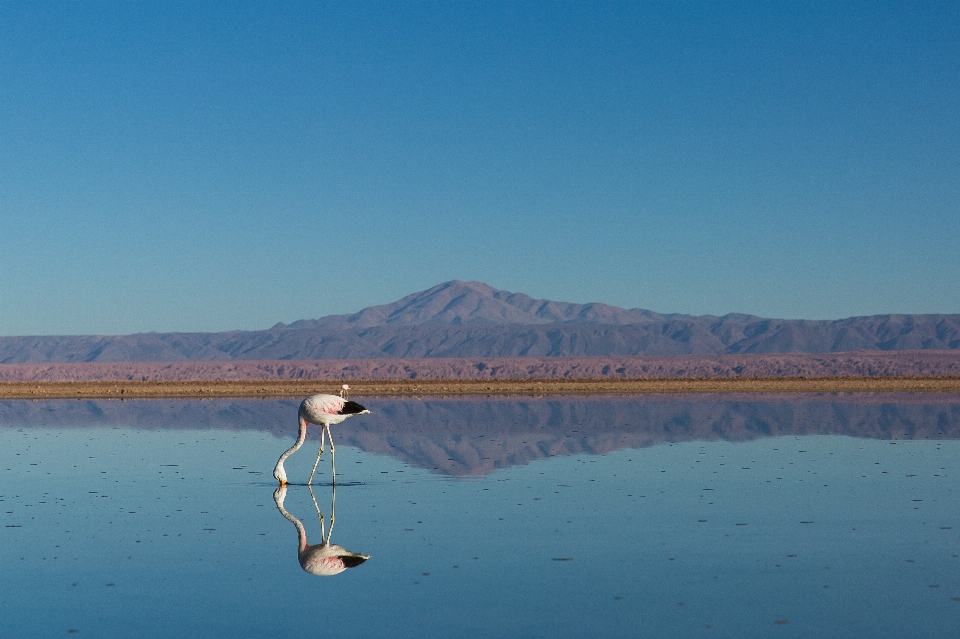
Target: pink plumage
x=322, y=405
x=328, y=409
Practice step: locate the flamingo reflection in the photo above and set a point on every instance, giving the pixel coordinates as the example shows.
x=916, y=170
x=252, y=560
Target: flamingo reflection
x=323, y=559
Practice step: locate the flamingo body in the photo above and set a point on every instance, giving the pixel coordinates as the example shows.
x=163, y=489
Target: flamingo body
x=326, y=559
x=327, y=410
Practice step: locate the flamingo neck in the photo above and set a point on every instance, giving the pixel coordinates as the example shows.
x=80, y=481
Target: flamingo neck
x=279, y=471
x=301, y=531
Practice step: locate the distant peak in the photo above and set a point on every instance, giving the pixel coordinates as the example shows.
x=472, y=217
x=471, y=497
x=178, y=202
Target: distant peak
x=479, y=287
x=459, y=302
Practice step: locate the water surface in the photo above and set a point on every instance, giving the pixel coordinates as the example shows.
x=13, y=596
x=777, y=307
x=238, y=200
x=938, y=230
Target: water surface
x=791, y=516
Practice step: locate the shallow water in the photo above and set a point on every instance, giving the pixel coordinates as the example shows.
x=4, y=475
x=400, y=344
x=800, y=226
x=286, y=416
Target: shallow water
x=832, y=516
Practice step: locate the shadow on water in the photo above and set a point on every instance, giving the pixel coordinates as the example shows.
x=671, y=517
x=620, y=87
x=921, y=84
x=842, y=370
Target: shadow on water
x=474, y=436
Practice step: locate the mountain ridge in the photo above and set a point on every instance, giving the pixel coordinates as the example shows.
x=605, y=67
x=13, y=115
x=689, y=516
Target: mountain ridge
x=458, y=302
x=472, y=319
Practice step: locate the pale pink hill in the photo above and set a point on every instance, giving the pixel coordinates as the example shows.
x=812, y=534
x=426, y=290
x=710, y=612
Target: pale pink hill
x=853, y=364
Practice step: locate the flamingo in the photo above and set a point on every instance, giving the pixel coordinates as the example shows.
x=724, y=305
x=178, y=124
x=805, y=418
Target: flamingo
x=323, y=559
x=323, y=410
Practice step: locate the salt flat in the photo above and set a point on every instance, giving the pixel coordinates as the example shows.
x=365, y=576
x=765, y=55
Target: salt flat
x=641, y=516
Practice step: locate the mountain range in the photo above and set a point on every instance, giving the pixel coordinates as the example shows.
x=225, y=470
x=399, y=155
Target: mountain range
x=472, y=319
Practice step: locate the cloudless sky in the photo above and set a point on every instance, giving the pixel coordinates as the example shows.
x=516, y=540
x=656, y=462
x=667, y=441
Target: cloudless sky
x=195, y=166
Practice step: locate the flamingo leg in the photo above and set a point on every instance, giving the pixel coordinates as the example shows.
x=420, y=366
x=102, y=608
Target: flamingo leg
x=333, y=511
x=310, y=481
x=333, y=456
x=319, y=514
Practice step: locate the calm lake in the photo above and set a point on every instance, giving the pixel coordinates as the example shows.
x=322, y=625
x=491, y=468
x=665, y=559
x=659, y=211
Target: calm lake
x=680, y=516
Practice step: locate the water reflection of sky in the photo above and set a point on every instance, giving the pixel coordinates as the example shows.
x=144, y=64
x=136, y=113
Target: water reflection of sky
x=147, y=523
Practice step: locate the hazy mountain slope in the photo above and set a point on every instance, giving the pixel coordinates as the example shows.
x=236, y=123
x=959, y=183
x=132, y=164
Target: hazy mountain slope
x=471, y=319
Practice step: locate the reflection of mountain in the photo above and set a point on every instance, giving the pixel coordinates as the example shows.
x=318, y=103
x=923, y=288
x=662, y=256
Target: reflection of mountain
x=474, y=437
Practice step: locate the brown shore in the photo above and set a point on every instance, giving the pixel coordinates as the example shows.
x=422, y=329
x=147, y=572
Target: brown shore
x=454, y=387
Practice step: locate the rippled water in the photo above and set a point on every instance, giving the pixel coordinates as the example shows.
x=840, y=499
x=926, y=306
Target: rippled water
x=830, y=516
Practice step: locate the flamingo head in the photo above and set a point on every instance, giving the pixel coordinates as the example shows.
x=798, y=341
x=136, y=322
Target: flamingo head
x=280, y=474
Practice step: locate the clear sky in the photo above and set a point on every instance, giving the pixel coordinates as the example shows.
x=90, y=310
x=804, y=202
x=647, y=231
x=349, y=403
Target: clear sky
x=192, y=166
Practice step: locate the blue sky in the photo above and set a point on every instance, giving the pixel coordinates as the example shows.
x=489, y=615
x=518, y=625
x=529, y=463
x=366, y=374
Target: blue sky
x=198, y=166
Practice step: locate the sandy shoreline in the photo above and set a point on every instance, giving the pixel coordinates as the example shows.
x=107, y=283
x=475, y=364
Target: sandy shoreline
x=454, y=387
